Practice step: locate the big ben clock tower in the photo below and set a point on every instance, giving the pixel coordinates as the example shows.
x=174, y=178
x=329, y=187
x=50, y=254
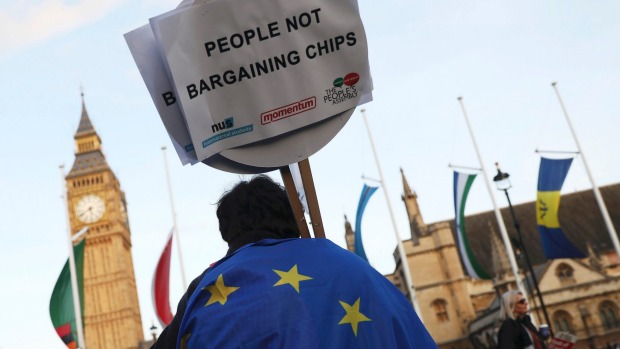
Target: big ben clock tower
x=95, y=200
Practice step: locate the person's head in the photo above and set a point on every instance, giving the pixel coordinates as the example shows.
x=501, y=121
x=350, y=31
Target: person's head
x=513, y=305
x=254, y=210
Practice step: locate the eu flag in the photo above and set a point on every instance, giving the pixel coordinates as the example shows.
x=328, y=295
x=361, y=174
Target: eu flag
x=298, y=293
x=550, y=179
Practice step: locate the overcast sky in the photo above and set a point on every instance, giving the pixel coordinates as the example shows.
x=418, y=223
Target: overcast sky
x=501, y=57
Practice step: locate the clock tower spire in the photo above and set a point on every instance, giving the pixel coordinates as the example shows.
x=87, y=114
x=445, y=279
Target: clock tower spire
x=88, y=155
x=111, y=311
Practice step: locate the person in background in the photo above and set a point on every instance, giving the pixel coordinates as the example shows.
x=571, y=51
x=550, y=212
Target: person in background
x=276, y=290
x=517, y=330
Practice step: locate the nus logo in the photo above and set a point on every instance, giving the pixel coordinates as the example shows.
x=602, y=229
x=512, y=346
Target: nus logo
x=227, y=123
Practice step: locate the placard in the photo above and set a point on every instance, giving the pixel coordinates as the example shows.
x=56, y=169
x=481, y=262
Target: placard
x=249, y=70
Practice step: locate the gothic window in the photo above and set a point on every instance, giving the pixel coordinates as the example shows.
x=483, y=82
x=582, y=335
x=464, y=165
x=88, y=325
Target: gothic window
x=441, y=310
x=608, y=312
x=562, y=321
x=565, y=273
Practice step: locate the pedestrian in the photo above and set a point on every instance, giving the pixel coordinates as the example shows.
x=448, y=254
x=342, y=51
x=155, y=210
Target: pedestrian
x=517, y=330
x=276, y=290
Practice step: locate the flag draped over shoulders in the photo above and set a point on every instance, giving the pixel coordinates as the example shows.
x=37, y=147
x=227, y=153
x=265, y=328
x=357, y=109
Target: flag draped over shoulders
x=550, y=180
x=298, y=293
x=367, y=192
x=462, y=184
x=62, y=311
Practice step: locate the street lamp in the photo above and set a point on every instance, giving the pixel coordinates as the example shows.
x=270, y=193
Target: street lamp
x=503, y=183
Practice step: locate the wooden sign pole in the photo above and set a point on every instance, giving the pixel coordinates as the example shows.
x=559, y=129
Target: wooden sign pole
x=293, y=198
x=313, y=203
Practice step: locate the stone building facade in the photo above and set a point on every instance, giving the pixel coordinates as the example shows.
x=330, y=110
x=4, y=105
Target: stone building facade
x=581, y=296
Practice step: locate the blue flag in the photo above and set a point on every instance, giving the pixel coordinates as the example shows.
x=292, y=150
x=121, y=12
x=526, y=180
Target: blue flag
x=302, y=294
x=550, y=179
x=361, y=206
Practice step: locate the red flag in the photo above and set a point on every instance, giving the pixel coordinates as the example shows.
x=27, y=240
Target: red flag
x=161, y=286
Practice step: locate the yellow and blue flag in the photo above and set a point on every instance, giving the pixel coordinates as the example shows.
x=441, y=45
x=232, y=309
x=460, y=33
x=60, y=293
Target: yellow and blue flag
x=367, y=192
x=550, y=179
x=298, y=293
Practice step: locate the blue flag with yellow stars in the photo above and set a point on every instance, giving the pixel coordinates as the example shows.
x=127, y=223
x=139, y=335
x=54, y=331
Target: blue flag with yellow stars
x=550, y=179
x=298, y=293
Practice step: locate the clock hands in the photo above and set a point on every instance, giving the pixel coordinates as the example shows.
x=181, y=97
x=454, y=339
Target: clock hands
x=90, y=209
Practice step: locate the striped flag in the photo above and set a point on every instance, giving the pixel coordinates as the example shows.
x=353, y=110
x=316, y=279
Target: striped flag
x=160, y=290
x=361, y=206
x=62, y=312
x=550, y=179
x=462, y=184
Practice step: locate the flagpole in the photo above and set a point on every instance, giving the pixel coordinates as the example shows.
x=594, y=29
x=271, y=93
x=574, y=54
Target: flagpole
x=401, y=249
x=74, y=284
x=498, y=215
x=174, y=220
x=597, y=193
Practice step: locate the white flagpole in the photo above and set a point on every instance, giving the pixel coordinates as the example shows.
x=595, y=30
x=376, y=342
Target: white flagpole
x=401, y=249
x=174, y=221
x=498, y=215
x=597, y=193
x=74, y=284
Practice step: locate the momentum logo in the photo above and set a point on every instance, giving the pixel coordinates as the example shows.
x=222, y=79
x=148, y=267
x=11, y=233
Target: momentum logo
x=288, y=110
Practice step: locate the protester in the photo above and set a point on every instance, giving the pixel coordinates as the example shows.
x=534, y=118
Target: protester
x=276, y=290
x=517, y=330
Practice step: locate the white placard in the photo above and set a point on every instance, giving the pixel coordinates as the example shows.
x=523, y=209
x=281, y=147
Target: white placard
x=249, y=70
x=144, y=50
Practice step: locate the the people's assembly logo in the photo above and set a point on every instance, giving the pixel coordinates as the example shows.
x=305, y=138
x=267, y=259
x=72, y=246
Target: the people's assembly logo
x=343, y=89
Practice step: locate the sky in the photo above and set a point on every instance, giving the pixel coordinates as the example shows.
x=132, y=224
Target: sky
x=501, y=57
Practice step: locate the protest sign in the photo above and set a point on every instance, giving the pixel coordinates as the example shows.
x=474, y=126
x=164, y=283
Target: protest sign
x=143, y=48
x=563, y=340
x=246, y=71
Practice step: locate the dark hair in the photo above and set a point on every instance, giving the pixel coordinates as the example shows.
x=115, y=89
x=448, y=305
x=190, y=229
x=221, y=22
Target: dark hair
x=255, y=210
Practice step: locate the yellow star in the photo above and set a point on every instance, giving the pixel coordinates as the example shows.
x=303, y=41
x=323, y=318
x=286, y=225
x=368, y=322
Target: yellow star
x=291, y=277
x=184, y=340
x=219, y=291
x=353, y=315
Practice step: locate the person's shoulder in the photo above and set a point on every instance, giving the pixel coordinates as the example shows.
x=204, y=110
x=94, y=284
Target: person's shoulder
x=508, y=325
x=319, y=251
x=328, y=249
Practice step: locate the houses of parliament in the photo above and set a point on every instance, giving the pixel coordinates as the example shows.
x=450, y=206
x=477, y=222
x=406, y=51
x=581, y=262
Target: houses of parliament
x=582, y=296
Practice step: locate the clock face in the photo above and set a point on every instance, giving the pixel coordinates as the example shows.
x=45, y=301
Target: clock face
x=90, y=208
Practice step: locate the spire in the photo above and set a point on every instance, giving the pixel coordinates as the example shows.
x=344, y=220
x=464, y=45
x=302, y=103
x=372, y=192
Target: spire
x=416, y=222
x=594, y=260
x=85, y=127
x=88, y=155
x=406, y=189
x=349, y=235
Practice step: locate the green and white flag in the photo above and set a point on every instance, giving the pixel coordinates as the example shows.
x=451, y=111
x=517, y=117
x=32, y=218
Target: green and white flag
x=462, y=184
x=62, y=312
